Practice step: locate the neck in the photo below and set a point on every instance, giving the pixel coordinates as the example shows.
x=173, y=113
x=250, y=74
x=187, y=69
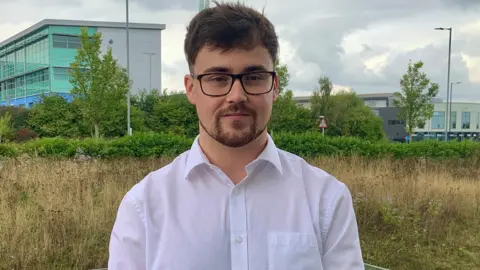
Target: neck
x=232, y=161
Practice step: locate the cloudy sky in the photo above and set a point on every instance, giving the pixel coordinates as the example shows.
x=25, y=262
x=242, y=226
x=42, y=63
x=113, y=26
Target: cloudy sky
x=361, y=44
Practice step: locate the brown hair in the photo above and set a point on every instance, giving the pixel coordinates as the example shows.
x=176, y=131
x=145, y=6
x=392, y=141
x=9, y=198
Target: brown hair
x=229, y=26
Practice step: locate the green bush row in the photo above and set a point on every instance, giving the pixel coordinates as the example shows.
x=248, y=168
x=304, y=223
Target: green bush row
x=309, y=144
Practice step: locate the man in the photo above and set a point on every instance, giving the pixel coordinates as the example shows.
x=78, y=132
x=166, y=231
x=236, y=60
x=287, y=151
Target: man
x=235, y=201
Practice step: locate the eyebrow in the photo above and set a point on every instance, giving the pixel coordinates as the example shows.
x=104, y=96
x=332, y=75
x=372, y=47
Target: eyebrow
x=223, y=69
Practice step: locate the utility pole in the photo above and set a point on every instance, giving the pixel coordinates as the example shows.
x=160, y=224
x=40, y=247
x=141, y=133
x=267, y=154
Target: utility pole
x=129, y=129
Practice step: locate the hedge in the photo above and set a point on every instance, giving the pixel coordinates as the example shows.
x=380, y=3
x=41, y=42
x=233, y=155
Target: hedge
x=310, y=144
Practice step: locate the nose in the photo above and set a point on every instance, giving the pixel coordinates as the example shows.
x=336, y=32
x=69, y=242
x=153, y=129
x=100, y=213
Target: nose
x=237, y=94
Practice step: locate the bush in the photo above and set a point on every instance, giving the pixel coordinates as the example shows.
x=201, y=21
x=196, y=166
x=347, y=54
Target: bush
x=8, y=150
x=19, y=115
x=309, y=144
x=25, y=134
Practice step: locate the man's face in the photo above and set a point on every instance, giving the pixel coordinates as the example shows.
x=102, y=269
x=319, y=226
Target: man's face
x=237, y=118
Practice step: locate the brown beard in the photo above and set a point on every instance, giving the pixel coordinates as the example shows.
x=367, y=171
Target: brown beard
x=239, y=138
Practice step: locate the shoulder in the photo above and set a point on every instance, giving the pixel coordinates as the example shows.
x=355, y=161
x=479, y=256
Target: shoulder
x=311, y=172
x=320, y=185
x=158, y=181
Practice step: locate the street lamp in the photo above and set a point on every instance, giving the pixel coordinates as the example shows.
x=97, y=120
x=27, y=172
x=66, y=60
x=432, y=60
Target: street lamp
x=448, y=76
x=451, y=91
x=150, y=54
x=203, y=4
x=129, y=129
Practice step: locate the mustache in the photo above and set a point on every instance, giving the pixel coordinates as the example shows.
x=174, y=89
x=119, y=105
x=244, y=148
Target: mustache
x=237, y=108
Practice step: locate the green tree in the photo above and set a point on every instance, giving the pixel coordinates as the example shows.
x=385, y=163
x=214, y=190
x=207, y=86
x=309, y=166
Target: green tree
x=99, y=84
x=347, y=115
x=415, y=97
x=55, y=116
x=287, y=116
x=173, y=113
x=361, y=122
x=145, y=100
x=283, y=76
x=5, y=125
x=321, y=97
x=19, y=116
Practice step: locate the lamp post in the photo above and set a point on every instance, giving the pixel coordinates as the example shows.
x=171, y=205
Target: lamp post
x=451, y=91
x=203, y=4
x=129, y=129
x=150, y=54
x=448, y=76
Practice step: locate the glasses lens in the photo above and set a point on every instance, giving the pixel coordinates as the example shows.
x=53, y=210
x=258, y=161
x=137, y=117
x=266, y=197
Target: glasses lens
x=257, y=82
x=216, y=84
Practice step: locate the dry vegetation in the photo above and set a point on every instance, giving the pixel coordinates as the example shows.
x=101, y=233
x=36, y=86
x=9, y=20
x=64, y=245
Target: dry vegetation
x=412, y=215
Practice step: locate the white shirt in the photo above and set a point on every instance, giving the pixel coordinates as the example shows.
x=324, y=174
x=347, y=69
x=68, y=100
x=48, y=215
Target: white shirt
x=285, y=215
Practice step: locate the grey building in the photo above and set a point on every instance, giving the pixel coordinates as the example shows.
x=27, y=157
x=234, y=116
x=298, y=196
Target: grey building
x=37, y=60
x=382, y=105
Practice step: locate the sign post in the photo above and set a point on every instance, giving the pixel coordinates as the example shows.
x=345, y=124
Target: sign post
x=322, y=124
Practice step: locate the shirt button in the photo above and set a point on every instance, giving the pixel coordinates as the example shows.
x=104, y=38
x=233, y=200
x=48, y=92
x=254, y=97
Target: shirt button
x=236, y=191
x=239, y=239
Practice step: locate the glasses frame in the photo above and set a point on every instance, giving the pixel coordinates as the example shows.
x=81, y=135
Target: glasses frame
x=238, y=76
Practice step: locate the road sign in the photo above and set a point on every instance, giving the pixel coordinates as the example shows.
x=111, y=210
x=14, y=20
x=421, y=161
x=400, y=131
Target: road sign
x=323, y=122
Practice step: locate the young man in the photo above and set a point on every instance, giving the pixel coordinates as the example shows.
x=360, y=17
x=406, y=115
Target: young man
x=234, y=200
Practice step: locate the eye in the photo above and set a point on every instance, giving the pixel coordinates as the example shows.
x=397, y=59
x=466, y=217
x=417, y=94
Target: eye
x=217, y=78
x=256, y=76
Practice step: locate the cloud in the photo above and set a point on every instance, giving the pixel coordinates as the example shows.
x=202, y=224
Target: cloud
x=190, y=5
x=365, y=45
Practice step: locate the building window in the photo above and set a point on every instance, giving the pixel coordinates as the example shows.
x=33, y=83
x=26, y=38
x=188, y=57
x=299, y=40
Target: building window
x=453, y=120
x=438, y=120
x=466, y=120
x=376, y=112
x=478, y=120
x=67, y=42
x=395, y=122
x=372, y=103
x=61, y=74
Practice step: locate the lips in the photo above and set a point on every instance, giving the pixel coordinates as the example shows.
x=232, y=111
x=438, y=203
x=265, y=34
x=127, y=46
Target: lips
x=236, y=114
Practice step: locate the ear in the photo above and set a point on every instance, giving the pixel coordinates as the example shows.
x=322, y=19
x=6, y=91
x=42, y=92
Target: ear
x=275, y=88
x=189, y=81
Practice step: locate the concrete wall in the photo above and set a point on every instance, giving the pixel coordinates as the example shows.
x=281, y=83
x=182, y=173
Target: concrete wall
x=141, y=42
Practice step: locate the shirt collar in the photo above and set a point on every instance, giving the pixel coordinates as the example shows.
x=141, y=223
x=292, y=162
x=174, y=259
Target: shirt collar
x=196, y=157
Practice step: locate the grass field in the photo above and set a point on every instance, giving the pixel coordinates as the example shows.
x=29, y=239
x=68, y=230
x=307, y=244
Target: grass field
x=411, y=214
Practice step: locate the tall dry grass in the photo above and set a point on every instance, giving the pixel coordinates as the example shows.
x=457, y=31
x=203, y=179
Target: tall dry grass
x=411, y=214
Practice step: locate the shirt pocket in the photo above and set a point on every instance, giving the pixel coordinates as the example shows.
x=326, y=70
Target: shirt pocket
x=293, y=251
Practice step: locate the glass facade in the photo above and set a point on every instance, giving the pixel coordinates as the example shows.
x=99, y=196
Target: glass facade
x=24, y=67
x=438, y=120
x=38, y=63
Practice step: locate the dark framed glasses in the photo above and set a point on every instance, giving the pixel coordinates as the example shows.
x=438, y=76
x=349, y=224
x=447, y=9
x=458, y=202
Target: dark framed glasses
x=218, y=84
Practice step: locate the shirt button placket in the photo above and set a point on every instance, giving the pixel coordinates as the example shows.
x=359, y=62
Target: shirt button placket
x=238, y=229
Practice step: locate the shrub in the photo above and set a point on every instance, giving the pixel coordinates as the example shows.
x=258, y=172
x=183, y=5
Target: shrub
x=309, y=144
x=25, y=134
x=8, y=150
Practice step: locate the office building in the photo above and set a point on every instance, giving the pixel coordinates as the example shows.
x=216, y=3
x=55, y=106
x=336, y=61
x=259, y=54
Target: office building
x=36, y=60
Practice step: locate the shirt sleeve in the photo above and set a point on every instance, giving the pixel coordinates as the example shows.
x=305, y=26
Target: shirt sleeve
x=127, y=241
x=342, y=244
